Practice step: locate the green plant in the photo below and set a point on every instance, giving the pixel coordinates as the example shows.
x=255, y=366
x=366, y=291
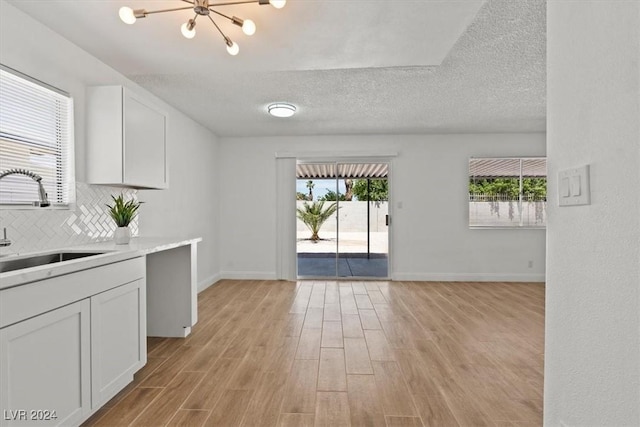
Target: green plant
x=123, y=212
x=314, y=215
x=331, y=196
x=379, y=190
x=534, y=189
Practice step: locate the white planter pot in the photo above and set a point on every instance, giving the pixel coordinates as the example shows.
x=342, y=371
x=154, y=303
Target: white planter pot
x=122, y=236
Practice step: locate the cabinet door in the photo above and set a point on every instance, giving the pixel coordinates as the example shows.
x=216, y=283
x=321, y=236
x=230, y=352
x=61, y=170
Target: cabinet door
x=45, y=368
x=144, y=144
x=118, y=339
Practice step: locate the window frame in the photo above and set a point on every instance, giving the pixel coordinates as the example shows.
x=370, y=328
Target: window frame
x=64, y=156
x=520, y=200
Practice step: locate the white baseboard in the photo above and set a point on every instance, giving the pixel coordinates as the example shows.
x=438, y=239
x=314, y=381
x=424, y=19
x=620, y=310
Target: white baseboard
x=204, y=284
x=248, y=275
x=469, y=277
x=419, y=277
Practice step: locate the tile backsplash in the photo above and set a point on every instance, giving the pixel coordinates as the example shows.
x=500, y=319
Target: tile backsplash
x=87, y=221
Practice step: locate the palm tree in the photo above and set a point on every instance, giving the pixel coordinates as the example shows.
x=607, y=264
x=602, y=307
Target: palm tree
x=348, y=185
x=310, y=186
x=313, y=215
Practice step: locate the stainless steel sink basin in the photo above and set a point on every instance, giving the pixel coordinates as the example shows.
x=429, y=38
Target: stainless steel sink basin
x=36, y=260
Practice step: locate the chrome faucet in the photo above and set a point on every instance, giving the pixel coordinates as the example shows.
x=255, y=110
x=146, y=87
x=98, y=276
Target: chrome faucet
x=44, y=201
x=4, y=241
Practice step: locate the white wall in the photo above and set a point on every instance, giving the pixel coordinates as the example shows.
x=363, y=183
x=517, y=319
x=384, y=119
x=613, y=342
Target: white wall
x=431, y=238
x=592, y=355
x=189, y=208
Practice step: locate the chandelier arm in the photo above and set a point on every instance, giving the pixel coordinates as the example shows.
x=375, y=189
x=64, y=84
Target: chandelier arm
x=188, y=1
x=230, y=3
x=149, y=12
x=226, y=39
x=221, y=14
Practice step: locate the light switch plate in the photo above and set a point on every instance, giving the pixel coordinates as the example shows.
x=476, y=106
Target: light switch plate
x=573, y=187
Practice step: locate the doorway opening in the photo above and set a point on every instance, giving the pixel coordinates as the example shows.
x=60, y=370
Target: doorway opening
x=342, y=226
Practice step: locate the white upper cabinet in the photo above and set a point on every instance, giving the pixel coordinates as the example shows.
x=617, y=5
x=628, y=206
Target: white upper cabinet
x=126, y=138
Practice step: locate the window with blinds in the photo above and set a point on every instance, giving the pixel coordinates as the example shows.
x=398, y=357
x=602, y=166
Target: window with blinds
x=36, y=134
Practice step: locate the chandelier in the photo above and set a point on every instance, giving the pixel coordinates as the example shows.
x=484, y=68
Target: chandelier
x=204, y=8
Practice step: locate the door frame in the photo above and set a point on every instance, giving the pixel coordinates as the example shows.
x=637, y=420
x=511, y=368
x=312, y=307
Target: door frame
x=286, y=252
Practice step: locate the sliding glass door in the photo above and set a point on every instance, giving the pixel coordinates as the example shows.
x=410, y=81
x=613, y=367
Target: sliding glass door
x=342, y=225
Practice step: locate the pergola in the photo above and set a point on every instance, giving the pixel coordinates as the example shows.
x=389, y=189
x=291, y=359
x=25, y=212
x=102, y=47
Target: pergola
x=342, y=170
x=533, y=167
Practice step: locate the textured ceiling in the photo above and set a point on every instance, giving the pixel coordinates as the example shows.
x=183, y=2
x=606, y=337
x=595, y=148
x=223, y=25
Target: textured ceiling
x=304, y=35
x=351, y=67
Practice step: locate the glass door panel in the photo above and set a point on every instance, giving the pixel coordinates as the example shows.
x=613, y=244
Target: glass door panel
x=316, y=227
x=362, y=220
x=342, y=225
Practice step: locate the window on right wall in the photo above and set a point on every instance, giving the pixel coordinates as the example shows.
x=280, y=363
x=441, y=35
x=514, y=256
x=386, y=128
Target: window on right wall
x=508, y=192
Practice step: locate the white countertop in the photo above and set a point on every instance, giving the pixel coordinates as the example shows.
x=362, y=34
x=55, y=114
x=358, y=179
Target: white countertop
x=139, y=246
x=143, y=245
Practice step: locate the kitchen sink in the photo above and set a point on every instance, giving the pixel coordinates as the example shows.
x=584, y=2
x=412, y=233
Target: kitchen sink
x=37, y=260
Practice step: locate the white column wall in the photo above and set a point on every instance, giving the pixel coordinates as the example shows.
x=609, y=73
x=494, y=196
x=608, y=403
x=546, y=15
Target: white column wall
x=592, y=355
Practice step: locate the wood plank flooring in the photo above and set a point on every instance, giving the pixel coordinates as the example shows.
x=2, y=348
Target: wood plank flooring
x=338, y=353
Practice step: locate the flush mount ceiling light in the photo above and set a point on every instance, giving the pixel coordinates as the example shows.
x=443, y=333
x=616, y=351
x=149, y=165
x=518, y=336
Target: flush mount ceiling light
x=281, y=109
x=204, y=8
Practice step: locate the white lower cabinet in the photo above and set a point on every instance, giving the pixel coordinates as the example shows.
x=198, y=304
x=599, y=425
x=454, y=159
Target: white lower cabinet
x=71, y=343
x=118, y=339
x=45, y=368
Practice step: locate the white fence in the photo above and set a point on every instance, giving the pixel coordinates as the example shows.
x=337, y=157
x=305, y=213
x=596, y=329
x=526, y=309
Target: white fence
x=353, y=217
x=487, y=211
x=475, y=197
x=507, y=214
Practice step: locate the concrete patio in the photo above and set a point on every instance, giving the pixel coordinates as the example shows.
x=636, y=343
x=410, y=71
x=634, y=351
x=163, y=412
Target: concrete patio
x=318, y=259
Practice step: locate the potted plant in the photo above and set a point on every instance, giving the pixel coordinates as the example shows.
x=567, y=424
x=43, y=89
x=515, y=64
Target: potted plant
x=123, y=213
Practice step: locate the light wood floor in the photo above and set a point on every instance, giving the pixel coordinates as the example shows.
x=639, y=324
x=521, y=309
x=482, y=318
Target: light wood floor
x=329, y=353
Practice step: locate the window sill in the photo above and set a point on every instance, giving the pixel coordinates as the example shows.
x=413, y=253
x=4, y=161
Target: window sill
x=35, y=208
x=495, y=227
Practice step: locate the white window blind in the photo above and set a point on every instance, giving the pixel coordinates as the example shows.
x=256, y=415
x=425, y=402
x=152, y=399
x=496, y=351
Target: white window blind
x=36, y=133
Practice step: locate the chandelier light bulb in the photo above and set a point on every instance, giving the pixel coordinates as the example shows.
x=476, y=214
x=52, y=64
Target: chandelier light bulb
x=249, y=27
x=233, y=49
x=188, y=29
x=126, y=15
x=278, y=4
